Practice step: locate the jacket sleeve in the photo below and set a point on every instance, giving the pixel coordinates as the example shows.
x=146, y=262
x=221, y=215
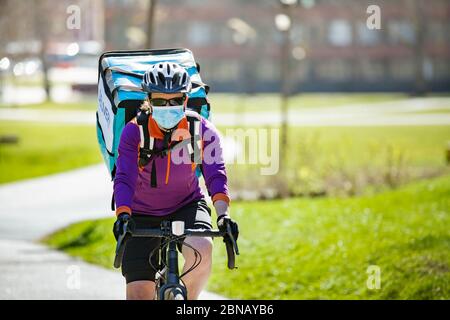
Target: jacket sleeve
x=213, y=163
x=126, y=168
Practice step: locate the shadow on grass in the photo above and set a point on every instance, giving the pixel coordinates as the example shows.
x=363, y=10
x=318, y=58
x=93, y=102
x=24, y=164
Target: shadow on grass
x=86, y=237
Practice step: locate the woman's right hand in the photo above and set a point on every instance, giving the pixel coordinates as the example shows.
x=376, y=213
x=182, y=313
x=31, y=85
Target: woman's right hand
x=122, y=218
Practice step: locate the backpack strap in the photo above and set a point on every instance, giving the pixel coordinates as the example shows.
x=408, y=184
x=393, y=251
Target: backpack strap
x=113, y=206
x=146, y=145
x=195, y=148
x=194, y=120
x=147, y=142
x=113, y=174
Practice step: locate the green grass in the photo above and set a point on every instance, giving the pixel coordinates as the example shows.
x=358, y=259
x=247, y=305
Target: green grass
x=35, y=80
x=320, y=248
x=436, y=110
x=421, y=145
x=45, y=148
x=87, y=105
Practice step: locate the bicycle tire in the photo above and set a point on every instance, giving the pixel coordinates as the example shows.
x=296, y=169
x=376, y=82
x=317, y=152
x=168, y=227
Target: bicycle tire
x=174, y=294
x=179, y=296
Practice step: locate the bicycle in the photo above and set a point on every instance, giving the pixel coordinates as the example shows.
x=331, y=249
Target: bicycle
x=168, y=280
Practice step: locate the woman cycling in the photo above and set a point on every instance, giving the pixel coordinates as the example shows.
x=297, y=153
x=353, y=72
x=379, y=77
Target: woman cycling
x=173, y=193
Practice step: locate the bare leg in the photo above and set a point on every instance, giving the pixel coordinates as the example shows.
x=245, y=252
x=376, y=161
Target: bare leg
x=197, y=279
x=141, y=290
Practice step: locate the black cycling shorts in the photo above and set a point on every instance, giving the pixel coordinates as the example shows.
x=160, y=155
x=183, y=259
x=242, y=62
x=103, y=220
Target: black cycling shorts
x=135, y=263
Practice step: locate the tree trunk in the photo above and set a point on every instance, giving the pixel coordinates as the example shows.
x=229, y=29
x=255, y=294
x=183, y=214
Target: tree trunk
x=151, y=23
x=285, y=76
x=43, y=29
x=419, y=47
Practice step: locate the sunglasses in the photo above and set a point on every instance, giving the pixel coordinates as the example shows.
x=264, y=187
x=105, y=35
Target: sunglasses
x=160, y=102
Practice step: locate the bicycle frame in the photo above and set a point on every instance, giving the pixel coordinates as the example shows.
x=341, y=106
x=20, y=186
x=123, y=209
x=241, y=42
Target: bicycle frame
x=172, y=278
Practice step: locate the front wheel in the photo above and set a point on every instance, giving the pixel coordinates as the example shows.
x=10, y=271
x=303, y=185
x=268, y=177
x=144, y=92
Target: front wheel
x=174, y=294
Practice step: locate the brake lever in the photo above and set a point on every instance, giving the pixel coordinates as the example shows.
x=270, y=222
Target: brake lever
x=123, y=233
x=120, y=245
x=233, y=241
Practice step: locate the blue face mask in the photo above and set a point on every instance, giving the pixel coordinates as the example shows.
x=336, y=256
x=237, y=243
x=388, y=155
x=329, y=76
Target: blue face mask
x=168, y=117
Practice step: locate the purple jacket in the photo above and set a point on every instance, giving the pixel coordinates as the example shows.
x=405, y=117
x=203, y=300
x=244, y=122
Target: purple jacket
x=177, y=183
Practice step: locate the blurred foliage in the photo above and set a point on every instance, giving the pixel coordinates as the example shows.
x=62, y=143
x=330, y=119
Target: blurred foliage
x=349, y=161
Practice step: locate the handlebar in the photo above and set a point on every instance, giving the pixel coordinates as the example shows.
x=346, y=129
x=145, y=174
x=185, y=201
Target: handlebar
x=231, y=245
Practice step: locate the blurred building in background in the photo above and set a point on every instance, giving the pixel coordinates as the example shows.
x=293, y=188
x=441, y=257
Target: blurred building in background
x=24, y=24
x=238, y=45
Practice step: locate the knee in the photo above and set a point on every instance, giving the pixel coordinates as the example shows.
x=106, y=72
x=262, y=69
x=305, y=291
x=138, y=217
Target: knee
x=204, y=246
x=141, y=290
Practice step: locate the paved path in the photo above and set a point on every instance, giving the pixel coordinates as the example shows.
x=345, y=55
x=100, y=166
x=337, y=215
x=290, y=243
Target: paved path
x=402, y=112
x=32, y=271
x=36, y=207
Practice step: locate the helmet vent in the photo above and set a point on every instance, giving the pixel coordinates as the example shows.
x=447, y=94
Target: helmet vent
x=161, y=77
x=176, y=78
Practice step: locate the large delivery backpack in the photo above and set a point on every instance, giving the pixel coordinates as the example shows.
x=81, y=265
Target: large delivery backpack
x=120, y=94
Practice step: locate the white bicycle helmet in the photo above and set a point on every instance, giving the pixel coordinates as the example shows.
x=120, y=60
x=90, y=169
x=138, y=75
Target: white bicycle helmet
x=166, y=77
